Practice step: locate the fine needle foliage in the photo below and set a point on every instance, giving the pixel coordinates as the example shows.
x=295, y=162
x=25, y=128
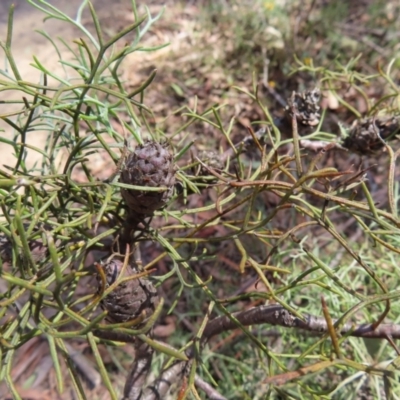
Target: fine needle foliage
x=275, y=255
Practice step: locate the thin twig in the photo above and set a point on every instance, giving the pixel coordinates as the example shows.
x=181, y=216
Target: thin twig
x=331, y=328
x=320, y=145
x=252, y=140
x=296, y=138
x=208, y=389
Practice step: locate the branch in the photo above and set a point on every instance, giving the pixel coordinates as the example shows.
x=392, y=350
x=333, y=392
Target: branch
x=140, y=369
x=274, y=315
x=161, y=386
x=175, y=374
x=320, y=145
x=277, y=315
x=208, y=389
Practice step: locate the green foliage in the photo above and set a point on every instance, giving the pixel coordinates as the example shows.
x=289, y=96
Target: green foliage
x=45, y=203
x=309, y=234
x=242, y=34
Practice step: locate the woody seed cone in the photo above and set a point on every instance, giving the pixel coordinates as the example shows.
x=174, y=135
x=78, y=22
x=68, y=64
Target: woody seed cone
x=149, y=165
x=130, y=299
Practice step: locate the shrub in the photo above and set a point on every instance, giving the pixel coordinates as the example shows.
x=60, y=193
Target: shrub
x=270, y=229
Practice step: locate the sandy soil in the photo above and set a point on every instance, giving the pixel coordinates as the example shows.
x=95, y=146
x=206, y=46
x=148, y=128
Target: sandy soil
x=27, y=43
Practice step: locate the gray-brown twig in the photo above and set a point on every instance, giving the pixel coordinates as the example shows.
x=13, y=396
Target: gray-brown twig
x=277, y=315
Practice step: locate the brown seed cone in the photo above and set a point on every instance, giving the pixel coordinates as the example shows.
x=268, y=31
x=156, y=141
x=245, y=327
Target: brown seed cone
x=5, y=249
x=366, y=136
x=130, y=299
x=151, y=165
x=38, y=250
x=210, y=159
x=306, y=107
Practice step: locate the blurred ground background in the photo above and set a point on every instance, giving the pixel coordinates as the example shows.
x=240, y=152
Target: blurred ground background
x=214, y=45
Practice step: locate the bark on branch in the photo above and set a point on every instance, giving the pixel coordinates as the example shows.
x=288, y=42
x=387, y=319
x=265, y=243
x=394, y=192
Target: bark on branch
x=277, y=315
x=273, y=315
